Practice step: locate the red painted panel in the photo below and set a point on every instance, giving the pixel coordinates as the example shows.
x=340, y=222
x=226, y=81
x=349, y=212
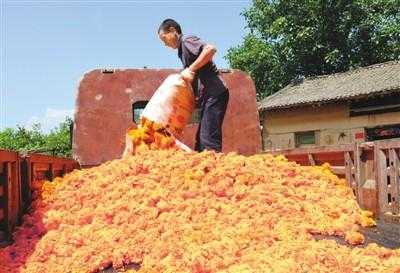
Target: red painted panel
x=104, y=112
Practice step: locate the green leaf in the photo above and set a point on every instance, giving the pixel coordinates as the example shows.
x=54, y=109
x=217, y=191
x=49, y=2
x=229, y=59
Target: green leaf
x=24, y=140
x=312, y=37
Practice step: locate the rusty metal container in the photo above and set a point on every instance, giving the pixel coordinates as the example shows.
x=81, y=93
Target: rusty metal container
x=108, y=101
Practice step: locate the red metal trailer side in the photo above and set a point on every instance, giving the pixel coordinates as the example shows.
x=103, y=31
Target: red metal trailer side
x=10, y=192
x=17, y=173
x=104, y=112
x=37, y=167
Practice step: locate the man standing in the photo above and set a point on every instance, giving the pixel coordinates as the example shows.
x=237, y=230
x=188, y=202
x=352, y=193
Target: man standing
x=213, y=97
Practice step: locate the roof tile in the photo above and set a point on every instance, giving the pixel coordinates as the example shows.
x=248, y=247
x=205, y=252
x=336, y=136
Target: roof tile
x=361, y=82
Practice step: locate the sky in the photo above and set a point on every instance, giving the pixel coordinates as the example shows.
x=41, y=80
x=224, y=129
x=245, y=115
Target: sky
x=46, y=46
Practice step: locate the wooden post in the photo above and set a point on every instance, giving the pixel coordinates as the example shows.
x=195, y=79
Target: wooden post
x=382, y=181
x=311, y=159
x=394, y=181
x=350, y=172
x=359, y=173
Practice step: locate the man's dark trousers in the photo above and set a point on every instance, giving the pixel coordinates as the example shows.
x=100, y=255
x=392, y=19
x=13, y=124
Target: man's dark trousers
x=209, y=133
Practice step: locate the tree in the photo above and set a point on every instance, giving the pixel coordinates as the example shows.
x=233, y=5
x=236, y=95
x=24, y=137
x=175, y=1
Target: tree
x=59, y=140
x=56, y=142
x=289, y=38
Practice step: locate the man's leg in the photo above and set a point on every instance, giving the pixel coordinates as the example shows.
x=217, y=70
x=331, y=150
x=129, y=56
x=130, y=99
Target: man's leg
x=198, y=147
x=210, y=127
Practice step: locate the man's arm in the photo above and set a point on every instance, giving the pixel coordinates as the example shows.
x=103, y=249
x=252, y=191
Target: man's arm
x=205, y=57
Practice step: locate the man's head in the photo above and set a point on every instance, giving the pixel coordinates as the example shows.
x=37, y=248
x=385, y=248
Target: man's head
x=169, y=32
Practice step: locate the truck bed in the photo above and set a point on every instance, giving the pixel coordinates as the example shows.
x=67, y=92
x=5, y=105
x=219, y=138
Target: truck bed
x=385, y=234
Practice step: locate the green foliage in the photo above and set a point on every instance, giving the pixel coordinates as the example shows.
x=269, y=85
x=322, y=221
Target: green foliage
x=57, y=142
x=313, y=37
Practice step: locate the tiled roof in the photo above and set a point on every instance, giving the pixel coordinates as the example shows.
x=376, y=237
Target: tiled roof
x=357, y=83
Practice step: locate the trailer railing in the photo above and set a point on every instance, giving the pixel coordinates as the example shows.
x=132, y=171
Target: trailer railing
x=371, y=169
x=387, y=154
x=10, y=192
x=17, y=174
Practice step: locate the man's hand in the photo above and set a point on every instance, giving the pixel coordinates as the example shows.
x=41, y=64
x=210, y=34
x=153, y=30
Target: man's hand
x=188, y=75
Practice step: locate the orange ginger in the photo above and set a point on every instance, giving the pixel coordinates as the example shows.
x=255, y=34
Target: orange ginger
x=152, y=135
x=172, y=211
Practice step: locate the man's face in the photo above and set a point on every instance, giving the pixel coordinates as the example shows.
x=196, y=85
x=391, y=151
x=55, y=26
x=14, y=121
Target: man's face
x=169, y=37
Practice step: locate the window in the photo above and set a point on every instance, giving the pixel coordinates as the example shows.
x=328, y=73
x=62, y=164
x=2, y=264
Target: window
x=305, y=138
x=383, y=132
x=137, y=109
x=376, y=105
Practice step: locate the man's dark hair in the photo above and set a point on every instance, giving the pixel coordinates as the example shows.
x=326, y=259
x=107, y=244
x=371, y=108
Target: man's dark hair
x=167, y=23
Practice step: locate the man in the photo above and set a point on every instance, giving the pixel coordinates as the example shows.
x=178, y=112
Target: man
x=213, y=97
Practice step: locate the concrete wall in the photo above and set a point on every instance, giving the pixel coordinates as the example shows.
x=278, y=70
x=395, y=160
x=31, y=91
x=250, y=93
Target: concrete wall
x=332, y=123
